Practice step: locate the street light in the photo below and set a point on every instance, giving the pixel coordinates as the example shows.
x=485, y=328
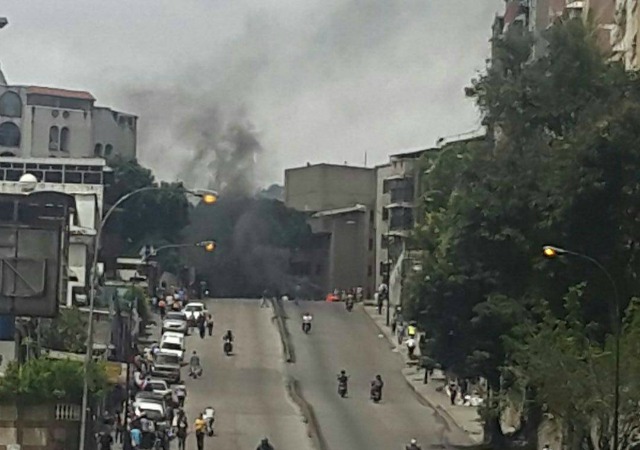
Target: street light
x=207, y=197
x=208, y=246
x=552, y=252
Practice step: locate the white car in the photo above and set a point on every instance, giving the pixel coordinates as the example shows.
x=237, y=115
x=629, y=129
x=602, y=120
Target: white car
x=175, y=321
x=161, y=387
x=172, y=345
x=193, y=310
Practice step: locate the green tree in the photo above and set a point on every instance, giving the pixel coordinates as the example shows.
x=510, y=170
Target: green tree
x=67, y=332
x=559, y=166
x=155, y=217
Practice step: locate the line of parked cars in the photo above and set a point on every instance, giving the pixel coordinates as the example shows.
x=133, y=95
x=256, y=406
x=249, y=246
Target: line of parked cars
x=167, y=360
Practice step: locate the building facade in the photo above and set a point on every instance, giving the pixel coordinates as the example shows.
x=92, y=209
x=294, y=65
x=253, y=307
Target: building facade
x=40, y=122
x=340, y=202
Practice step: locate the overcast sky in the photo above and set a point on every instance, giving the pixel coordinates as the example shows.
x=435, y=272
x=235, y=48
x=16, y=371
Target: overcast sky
x=319, y=80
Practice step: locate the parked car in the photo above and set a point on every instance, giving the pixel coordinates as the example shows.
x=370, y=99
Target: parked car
x=166, y=366
x=175, y=321
x=161, y=387
x=173, y=344
x=193, y=310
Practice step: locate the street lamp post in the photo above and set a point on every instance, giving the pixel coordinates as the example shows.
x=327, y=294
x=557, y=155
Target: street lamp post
x=208, y=246
x=551, y=252
x=207, y=197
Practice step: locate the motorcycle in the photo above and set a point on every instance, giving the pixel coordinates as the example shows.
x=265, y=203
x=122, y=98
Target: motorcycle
x=227, y=347
x=195, y=372
x=376, y=394
x=306, y=327
x=209, y=415
x=349, y=305
x=342, y=389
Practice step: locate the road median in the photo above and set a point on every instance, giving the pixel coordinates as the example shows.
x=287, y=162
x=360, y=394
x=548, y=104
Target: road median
x=280, y=317
x=313, y=428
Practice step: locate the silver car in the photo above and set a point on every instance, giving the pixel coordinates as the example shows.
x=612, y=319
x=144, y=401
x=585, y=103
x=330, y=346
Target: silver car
x=175, y=321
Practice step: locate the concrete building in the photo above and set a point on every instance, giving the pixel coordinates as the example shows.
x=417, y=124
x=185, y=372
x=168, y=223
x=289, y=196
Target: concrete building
x=340, y=201
x=41, y=122
x=85, y=180
x=397, y=192
x=626, y=34
x=538, y=15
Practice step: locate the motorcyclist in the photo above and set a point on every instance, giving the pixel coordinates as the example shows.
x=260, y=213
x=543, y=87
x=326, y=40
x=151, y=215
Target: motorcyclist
x=209, y=417
x=194, y=364
x=181, y=394
x=343, y=379
x=376, y=386
x=265, y=445
x=306, y=321
x=413, y=445
x=228, y=336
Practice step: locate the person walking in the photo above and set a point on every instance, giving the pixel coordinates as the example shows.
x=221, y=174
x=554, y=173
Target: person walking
x=210, y=324
x=201, y=322
x=411, y=346
x=263, y=302
x=200, y=427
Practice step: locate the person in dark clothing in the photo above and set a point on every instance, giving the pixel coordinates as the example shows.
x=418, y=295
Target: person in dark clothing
x=105, y=441
x=265, y=445
x=210, y=324
x=201, y=321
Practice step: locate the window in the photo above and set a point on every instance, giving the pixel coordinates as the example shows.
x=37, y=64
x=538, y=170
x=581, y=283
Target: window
x=370, y=244
x=385, y=186
x=384, y=241
x=97, y=150
x=64, y=139
x=108, y=149
x=370, y=270
x=54, y=139
x=10, y=105
x=385, y=214
x=9, y=135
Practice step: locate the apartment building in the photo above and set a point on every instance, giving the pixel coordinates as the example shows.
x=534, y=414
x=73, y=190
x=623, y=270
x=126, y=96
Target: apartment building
x=340, y=203
x=43, y=122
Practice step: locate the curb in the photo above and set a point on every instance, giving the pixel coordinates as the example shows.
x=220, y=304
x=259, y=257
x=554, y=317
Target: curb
x=308, y=414
x=439, y=410
x=279, y=316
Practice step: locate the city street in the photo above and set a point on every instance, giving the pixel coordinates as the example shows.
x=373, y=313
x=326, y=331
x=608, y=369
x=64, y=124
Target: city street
x=246, y=389
x=349, y=341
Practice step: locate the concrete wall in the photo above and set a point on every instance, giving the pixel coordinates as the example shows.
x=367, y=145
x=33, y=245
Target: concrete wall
x=115, y=129
x=349, y=260
x=36, y=428
x=325, y=186
x=38, y=122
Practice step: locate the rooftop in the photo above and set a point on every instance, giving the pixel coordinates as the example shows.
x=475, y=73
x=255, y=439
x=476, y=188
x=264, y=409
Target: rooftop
x=334, y=212
x=343, y=166
x=65, y=93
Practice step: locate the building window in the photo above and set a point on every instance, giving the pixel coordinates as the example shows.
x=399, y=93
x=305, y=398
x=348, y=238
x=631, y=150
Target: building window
x=385, y=214
x=370, y=244
x=64, y=139
x=9, y=135
x=97, y=150
x=384, y=241
x=54, y=139
x=10, y=105
x=370, y=270
x=108, y=149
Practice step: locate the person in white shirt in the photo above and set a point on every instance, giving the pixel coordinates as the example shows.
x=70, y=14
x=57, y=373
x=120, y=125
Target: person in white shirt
x=411, y=346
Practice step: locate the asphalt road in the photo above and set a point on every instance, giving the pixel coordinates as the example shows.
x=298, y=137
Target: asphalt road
x=349, y=341
x=246, y=389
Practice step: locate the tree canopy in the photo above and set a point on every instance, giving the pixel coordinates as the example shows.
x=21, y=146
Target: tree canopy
x=559, y=166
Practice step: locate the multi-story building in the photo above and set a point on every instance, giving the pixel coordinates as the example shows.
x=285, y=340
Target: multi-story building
x=626, y=33
x=397, y=191
x=538, y=15
x=340, y=201
x=84, y=179
x=41, y=122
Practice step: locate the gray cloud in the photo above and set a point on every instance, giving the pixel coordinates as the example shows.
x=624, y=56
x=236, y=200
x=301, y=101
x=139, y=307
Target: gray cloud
x=320, y=80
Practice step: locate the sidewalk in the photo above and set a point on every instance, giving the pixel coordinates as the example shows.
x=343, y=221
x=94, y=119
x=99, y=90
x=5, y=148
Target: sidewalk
x=465, y=418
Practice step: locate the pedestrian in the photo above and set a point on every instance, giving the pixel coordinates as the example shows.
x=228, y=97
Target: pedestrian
x=136, y=438
x=105, y=440
x=180, y=424
x=120, y=428
x=210, y=324
x=378, y=302
x=265, y=445
x=162, y=307
x=453, y=393
x=400, y=332
x=200, y=427
x=201, y=321
x=411, y=346
x=412, y=330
